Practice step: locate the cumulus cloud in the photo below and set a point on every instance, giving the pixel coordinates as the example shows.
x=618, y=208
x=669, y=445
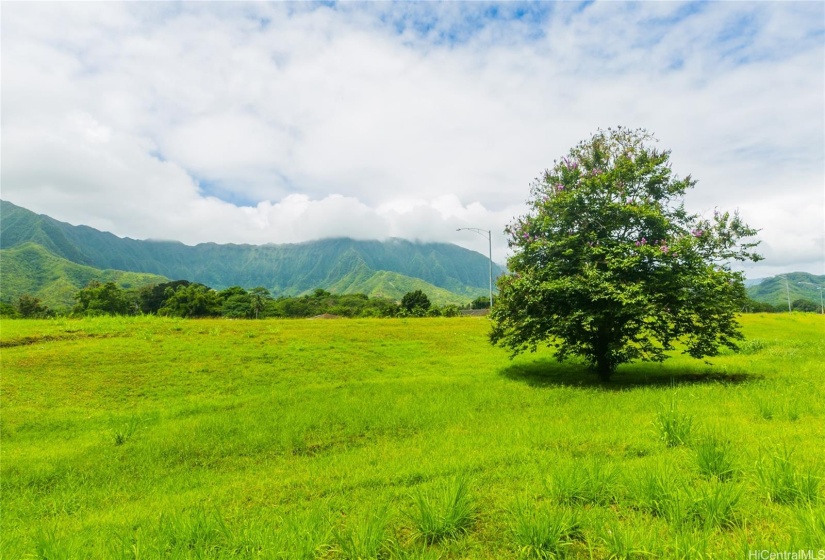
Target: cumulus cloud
x=284, y=122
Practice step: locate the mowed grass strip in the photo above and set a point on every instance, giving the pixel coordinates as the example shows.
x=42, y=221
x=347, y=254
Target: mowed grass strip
x=147, y=438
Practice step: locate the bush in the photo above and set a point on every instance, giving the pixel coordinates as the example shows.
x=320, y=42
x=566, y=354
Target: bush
x=805, y=305
x=30, y=307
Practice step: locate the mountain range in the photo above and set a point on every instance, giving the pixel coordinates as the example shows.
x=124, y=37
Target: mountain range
x=776, y=291
x=51, y=260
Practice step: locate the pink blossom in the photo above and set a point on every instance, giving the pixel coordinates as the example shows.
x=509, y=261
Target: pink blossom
x=570, y=164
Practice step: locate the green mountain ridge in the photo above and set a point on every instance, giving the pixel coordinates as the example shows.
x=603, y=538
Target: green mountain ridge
x=32, y=269
x=342, y=265
x=799, y=285
x=392, y=285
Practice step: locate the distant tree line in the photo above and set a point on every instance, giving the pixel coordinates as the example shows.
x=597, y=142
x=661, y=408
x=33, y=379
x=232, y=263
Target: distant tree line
x=802, y=305
x=182, y=298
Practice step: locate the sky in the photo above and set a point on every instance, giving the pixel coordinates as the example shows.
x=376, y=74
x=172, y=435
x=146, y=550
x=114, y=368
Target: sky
x=286, y=122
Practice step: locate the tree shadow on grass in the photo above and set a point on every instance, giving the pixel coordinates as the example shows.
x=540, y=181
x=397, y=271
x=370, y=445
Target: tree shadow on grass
x=550, y=373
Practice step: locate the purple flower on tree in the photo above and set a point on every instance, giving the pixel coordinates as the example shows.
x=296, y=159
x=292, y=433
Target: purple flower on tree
x=571, y=165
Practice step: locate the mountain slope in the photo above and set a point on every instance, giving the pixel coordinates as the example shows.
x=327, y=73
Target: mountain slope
x=774, y=291
x=283, y=269
x=392, y=285
x=32, y=269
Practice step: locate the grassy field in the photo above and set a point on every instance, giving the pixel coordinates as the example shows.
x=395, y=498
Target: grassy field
x=162, y=438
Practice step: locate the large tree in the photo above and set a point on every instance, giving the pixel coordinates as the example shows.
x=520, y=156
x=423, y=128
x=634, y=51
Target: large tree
x=415, y=303
x=97, y=298
x=191, y=300
x=608, y=265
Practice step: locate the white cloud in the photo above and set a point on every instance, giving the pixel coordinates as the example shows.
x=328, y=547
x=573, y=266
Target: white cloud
x=287, y=122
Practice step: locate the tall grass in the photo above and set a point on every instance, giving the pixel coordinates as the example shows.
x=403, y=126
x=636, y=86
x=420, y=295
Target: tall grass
x=305, y=535
x=673, y=425
x=366, y=538
x=584, y=482
x=715, y=457
x=716, y=504
x=786, y=483
x=621, y=542
x=810, y=529
x=199, y=532
x=660, y=491
x=543, y=532
x=447, y=512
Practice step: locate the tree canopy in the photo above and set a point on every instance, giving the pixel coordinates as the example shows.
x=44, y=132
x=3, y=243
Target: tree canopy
x=415, y=303
x=104, y=299
x=608, y=265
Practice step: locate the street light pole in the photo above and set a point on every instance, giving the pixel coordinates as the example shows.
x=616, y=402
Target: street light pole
x=489, y=235
x=818, y=287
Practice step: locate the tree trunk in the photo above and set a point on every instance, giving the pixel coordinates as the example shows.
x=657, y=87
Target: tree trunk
x=604, y=365
x=604, y=369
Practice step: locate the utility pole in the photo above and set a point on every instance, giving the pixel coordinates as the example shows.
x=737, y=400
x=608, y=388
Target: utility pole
x=489, y=235
x=788, y=291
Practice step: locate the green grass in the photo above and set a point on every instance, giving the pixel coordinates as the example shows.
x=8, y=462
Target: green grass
x=446, y=513
x=163, y=438
x=543, y=533
x=715, y=457
x=674, y=426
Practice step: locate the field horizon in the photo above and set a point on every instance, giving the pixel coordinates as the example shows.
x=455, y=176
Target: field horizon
x=147, y=437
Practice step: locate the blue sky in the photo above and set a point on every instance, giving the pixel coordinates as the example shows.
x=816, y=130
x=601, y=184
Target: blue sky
x=256, y=122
